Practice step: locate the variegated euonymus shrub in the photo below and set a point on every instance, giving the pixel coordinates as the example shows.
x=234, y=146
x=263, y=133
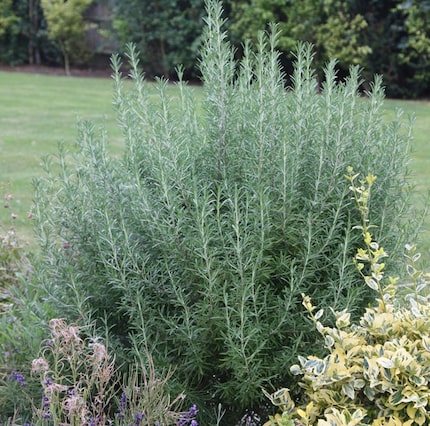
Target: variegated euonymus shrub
x=377, y=371
x=228, y=203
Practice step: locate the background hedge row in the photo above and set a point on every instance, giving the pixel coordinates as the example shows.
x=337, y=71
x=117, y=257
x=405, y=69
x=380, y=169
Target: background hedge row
x=387, y=37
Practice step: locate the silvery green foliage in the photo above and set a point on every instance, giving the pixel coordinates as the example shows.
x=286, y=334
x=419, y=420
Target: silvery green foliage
x=197, y=243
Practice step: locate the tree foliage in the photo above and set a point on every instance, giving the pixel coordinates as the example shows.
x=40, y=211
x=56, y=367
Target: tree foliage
x=330, y=26
x=414, y=46
x=388, y=37
x=23, y=36
x=66, y=26
x=340, y=35
x=166, y=32
x=8, y=19
x=398, y=32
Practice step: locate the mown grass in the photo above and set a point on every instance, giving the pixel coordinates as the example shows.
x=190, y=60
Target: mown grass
x=39, y=111
x=420, y=161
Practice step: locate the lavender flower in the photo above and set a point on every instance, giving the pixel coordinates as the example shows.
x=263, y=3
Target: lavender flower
x=250, y=419
x=45, y=401
x=122, y=405
x=188, y=417
x=139, y=417
x=46, y=406
x=18, y=377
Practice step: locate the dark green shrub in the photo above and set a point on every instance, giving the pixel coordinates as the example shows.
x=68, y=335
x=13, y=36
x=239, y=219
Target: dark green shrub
x=199, y=241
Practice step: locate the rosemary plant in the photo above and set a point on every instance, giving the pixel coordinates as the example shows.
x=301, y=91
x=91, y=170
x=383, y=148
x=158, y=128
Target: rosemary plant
x=197, y=244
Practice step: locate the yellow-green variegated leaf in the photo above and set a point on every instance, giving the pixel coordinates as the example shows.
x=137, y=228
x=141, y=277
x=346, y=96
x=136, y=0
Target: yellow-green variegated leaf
x=371, y=283
x=426, y=342
x=295, y=370
x=348, y=390
x=421, y=417
x=385, y=362
x=343, y=320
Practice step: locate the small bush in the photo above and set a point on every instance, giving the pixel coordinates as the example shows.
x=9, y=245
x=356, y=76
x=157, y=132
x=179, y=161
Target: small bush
x=74, y=380
x=13, y=259
x=377, y=371
x=198, y=242
x=22, y=328
x=19, y=331
x=79, y=384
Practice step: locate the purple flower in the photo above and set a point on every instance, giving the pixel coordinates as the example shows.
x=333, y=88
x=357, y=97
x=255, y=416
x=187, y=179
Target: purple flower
x=122, y=406
x=46, y=405
x=188, y=417
x=18, y=377
x=139, y=417
x=45, y=401
x=123, y=401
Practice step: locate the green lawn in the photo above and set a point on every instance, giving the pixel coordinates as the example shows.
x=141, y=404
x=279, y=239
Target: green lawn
x=420, y=159
x=38, y=111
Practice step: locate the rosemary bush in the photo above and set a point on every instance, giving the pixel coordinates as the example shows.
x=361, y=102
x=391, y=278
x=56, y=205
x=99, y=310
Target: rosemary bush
x=197, y=243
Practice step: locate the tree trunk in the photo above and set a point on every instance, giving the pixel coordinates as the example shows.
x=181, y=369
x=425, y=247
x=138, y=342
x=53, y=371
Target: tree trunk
x=33, y=45
x=66, y=63
x=163, y=59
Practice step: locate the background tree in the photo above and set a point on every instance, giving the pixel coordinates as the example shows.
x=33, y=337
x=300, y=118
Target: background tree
x=296, y=20
x=166, y=32
x=414, y=46
x=66, y=26
x=333, y=27
x=34, y=13
x=398, y=33
x=340, y=35
x=387, y=37
x=9, y=31
x=7, y=16
x=23, y=37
